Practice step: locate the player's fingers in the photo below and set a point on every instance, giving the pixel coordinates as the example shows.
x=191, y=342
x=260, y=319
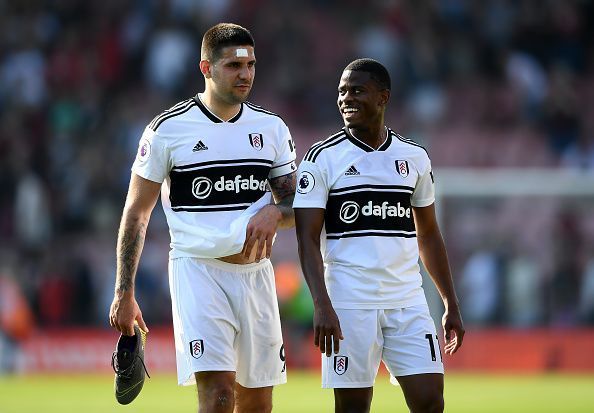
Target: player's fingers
x=316, y=336
x=322, y=342
x=127, y=328
x=452, y=346
x=328, y=345
x=460, y=334
x=113, y=321
x=260, y=249
x=142, y=324
x=247, y=245
x=268, y=247
x=336, y=342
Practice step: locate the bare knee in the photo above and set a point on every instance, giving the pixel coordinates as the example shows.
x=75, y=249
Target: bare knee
x=222, y=397
x=215, y=393
x=431, y=403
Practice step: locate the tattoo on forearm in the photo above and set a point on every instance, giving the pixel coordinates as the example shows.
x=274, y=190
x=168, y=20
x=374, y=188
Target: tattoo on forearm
x=283, y=189
x=129, y=247
x=283, y=186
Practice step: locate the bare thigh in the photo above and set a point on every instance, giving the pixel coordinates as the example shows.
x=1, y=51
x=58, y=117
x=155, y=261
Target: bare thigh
x=423, y=392
x=356, y=400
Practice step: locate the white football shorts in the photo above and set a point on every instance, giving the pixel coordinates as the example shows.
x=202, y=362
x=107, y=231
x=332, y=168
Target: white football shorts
x=226, y=318
x=405, y=339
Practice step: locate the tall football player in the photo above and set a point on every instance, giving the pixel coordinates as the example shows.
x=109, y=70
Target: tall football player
x=212, y=158
x=373, y=192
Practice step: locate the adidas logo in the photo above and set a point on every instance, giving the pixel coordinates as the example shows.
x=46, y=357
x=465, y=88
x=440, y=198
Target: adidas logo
x=352, y=171
x=200, y=146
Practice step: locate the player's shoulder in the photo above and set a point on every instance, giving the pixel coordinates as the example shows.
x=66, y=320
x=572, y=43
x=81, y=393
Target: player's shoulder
x=319, y=149
x=402, y=143
x=167, y=120
x=260, y=112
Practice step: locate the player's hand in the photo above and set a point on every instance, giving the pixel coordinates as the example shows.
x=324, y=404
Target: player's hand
x=453, y=330
x=327, y=332
x=122, y=314
x=261, y=229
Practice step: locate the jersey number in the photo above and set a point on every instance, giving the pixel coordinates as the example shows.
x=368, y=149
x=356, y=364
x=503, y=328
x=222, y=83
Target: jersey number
x=429, y=338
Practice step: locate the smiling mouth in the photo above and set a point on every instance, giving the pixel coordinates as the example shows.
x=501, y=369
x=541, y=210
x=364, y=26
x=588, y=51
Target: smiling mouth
x=349, y=111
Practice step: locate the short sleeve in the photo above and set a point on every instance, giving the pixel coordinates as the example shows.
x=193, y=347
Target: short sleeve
x=285, y=160
x=312, y=187
x=152, y=160
x=424, y=193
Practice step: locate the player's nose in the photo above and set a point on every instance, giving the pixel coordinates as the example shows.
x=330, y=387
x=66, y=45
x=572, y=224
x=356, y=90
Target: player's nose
x=245, y=73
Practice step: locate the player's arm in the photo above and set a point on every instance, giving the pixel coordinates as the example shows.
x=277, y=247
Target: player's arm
x=283, y=190
x=140, y=201
x=433, y=254
x=327, y=332
x=279, y=214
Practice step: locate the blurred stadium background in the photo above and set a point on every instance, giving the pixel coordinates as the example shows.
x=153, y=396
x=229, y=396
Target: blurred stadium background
x=500, y=92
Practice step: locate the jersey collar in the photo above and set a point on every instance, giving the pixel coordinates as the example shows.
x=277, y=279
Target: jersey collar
x=366, y=147
x=214, y=118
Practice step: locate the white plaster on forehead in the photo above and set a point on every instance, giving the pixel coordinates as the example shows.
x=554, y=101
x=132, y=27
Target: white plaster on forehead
x=241, y=53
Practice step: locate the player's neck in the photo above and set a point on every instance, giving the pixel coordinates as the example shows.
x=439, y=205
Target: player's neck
x=374, y=137
x=222, y=110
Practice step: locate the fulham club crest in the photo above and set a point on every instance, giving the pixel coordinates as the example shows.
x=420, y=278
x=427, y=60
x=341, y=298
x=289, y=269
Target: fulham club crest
x=257, y=141
x=341, y=364
x=197, y=348
x=402, y=168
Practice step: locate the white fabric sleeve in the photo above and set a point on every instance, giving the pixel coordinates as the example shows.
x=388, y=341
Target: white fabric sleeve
x=312, y=187
x=424, y=193
x=285, y=159
x=152, y=160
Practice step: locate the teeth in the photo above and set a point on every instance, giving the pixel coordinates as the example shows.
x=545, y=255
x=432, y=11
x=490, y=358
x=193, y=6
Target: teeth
x=350, y=110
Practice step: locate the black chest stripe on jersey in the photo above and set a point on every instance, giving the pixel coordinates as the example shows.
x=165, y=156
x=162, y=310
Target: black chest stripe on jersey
x=229, y=162
x=217, y=187
x=358, y=188
x=363, y=213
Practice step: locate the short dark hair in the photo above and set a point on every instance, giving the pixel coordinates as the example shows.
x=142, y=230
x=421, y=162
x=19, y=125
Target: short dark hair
x=378, y=72
x=223, y=35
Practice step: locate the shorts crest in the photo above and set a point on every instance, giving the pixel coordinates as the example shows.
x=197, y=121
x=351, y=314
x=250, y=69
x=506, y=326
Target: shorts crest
x=341, y=364
x=197, y=348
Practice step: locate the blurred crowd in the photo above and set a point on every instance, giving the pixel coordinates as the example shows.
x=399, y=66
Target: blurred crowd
x=495, y=83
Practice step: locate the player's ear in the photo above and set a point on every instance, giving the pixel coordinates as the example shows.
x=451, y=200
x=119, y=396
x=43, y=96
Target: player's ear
x=384, y=97
x=205, y=68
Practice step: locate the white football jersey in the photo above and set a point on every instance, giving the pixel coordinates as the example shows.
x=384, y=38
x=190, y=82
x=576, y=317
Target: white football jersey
x=214, y=173
x=371, y=253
